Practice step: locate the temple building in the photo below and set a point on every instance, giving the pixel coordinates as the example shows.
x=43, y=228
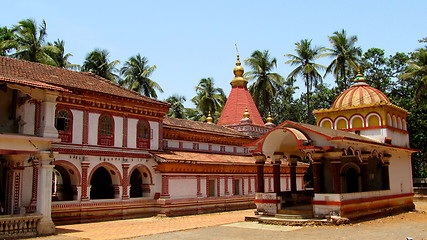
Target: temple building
x=359, y=155
x=75, y=147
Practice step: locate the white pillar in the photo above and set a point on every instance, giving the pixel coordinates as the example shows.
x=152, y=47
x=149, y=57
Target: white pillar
x=44, y=194
x=47, y=126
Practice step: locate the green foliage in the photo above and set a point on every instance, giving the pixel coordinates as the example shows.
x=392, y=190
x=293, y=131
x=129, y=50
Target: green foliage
x=266, y=83
x=136, y=73
x=98, y=63
x=209, y=98
x=176, y=109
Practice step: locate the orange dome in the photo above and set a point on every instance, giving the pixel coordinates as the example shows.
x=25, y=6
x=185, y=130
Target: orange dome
x=360, y=94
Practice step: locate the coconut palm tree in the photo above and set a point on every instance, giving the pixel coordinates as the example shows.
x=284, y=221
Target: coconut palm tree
x=61, y=58
x=265, y=82
x=31, y=43
x=417, y=69
x=7, y=41
x=209, y=98
x=345, y=58
x=98, y=63
x=136, y=73
x=176, y=109
x=307, y=68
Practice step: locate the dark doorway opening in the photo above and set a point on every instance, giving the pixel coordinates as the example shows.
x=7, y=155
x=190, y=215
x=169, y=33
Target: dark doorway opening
x=352, y=180
x=136, y=184
x=102, y=187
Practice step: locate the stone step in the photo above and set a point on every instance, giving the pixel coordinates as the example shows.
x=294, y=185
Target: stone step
x=296, y=211
x=294, y=222
x=293, y=216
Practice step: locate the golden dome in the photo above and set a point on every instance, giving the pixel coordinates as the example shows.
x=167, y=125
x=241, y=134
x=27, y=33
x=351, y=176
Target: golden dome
x=238, y=71
x=246, y=114
x=269, y=118
x=360, y=93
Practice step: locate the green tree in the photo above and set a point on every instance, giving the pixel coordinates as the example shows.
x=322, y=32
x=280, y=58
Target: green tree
x=266, y=82
x=209, y=98
x=176, y=109
x=7, y=42
x=345, y=58
x=98, y=63
x=136, y=73
x=307, y=69
x=30, y=42
x=417, y=70
x=61, y=58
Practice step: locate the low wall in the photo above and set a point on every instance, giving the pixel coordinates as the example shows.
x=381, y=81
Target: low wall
x=18, y=226
x=355, y=205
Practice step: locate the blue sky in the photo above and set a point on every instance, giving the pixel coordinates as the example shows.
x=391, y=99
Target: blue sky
x=191, y=40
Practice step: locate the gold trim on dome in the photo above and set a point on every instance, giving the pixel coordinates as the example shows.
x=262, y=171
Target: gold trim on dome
x=246, y=114
x=209, y=119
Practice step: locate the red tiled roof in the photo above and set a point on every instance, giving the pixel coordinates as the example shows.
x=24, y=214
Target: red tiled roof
x=201, y=126
x=36, y=84
x=37, y=73
x=238, y=100
x=204, y=157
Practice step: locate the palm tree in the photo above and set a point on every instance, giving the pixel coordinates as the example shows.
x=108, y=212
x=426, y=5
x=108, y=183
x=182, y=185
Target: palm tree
x=31, y=43
x=307, y=68
x=136, y=73
x=346, y=57
x=417, y=69
x=7, y=42
x=176, y=109
x=266, y=82
x=98, y=63
x=61, y=58
x=209, y=98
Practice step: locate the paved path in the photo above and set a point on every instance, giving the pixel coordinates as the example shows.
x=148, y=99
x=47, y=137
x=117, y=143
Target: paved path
x=146, y=226
x=230, y=225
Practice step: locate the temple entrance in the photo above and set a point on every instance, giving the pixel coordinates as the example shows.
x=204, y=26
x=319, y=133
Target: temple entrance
x=352, y=180
x=101, y=185
x=136, y=184
x=61, y=185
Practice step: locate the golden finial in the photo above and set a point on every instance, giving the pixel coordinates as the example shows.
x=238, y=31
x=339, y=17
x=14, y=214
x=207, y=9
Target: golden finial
x=359, y=77
x=246, y=114
x=269, y=118
x=269, y=122
x=238, y=70
x=209, y=119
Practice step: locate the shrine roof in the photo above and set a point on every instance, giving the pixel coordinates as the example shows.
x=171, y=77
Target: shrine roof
x=37, y=74
x=189, y=125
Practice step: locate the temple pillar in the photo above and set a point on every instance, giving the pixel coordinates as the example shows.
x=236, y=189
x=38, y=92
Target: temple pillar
x=277, y=156
x=47, y=126
x=336, y=176
x=293, y=161
x=260, y=161
x=364, y=175
x=44, y=193
x=165, y=187
x=85, y=186
x=317, y=176
x=385, y=175
x=125, y=193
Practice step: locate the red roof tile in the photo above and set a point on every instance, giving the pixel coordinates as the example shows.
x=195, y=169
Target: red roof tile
x=36, y=84
x=35, y=72
x=204, y=157
x=238, y=100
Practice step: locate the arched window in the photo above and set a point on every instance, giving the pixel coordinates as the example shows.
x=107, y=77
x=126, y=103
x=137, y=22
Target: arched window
x=373, y=120
x=143, y=134
x=63, y=123
x=356, y=122
x=106, y=130
x=341, y=123
x=326, y=123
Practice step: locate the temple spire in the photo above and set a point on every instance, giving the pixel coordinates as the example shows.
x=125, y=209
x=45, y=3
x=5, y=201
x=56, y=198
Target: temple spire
x=238, y=70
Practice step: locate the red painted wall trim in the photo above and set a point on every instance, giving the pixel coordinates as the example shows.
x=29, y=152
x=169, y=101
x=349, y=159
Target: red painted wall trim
x=266, y=201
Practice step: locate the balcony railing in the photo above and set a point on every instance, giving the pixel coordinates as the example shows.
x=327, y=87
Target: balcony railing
x=13, y=226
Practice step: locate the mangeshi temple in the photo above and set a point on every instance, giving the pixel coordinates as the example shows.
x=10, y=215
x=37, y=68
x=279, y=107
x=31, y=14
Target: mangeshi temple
x=75, y=147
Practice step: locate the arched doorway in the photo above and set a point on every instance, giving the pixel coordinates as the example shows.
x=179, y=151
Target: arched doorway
x=62, y=189
x=101, y=185
x=136, y=184
x=352, y=180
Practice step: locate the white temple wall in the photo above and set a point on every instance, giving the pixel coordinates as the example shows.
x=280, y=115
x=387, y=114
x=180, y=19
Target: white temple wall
x=203, y=146
x=183, y=187
x=118, y=131
x=93, y=128
x=27, y=117
x=77, y=126
x=154, y=142
x=400, y=172
x=132, y=122
x=27, y=186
